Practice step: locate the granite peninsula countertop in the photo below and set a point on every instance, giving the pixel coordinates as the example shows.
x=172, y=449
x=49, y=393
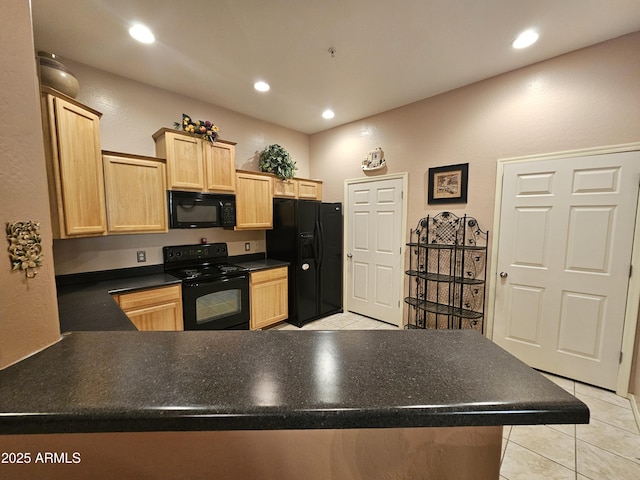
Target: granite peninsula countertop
x=276, y=380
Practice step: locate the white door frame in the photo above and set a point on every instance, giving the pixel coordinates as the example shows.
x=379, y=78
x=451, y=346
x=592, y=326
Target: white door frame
x=633, y=292
x=404, y=176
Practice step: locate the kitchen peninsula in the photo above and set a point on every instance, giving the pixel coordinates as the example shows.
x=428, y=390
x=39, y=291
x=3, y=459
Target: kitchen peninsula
x=273, y=404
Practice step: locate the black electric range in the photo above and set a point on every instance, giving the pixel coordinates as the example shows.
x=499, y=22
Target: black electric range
x=215, y=293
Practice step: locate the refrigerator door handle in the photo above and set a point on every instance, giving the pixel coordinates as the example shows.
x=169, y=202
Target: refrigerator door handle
x=320, y=242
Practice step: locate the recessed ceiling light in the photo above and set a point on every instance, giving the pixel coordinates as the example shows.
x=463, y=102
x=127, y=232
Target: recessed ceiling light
x=525, y=39
x=328, y=114
x=142, y=33
x=261, y=86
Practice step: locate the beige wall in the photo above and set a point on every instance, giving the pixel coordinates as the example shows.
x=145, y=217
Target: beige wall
x=132, y=112
x=587, y=98
x=583, y=99
x=28, y=307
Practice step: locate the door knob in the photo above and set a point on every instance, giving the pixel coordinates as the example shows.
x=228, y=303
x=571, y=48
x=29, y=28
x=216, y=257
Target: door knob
x=504, y=274
x=349, y=255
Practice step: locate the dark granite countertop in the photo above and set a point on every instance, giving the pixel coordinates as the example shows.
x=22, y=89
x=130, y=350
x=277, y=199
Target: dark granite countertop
x=85, y=302
x=262, y=264
x=263, y=380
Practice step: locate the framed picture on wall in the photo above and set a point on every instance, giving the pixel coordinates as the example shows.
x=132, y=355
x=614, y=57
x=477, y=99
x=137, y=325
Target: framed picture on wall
x=448, y=184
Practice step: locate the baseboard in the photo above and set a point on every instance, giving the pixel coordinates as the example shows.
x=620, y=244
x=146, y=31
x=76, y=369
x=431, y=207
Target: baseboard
x=635, y=408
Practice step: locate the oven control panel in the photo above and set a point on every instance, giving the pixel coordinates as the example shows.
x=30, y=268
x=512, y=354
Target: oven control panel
x=204, y=252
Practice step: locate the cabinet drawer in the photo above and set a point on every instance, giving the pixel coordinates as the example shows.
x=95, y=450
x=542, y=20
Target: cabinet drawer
x=152, y=296
x=268, y=275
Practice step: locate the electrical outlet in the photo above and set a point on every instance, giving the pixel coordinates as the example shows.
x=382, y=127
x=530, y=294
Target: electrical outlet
x=142, y=256
x=247, y=247
x=256, y=245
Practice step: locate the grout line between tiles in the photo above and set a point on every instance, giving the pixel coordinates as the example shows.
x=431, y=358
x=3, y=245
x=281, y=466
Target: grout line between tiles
x=575, y=446
x=575, y=456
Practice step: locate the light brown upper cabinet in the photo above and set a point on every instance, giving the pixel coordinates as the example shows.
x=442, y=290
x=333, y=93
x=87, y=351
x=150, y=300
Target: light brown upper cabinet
x=254, y=201
x=195, y=164
x=74, y=166
x=136, y=193
x=309, y=189
x=285, y=188
x=219, y=166
x=301, y=188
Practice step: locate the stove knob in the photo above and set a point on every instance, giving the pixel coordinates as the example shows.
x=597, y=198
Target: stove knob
x=179, y=254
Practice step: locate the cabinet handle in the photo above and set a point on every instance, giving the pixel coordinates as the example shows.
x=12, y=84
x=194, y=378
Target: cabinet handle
x=349, y=255
x=504, y=274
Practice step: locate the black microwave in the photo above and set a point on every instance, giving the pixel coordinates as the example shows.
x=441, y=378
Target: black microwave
x=201, y=210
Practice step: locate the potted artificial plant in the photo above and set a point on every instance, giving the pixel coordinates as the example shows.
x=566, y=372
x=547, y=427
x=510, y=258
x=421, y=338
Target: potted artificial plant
x=275, y=159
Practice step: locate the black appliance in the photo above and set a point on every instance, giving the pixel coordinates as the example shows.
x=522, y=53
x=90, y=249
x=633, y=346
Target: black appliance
x=201, y=210
x=308, y=235
x=215, y=294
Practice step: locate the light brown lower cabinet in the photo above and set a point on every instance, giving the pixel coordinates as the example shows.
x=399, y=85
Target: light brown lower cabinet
x=154, y=309
x=269, y=297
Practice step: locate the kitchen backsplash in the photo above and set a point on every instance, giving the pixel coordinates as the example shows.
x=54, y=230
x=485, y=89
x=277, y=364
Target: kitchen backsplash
x=121, y=251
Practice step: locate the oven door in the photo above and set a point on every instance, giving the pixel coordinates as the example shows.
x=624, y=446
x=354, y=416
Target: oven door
x=221, y=304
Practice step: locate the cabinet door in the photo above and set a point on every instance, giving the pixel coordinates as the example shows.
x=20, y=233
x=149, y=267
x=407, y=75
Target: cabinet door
x=78, y=169
x=164, y=317
x=185, y=164
x=309, y=190
x=285, y=188
x=154, y=308
x=136, y=194
x=269, y=297
x=254, y=201
x=219, y=166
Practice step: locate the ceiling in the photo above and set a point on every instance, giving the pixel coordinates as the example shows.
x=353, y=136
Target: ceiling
x=387, y=54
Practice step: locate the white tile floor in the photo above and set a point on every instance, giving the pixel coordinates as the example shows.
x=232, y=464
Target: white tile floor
x=608, y=448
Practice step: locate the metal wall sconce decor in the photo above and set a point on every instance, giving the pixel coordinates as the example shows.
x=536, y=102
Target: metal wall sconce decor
x=25, y=249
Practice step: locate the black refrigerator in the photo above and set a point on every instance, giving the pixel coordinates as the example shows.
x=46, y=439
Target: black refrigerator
x=308, y=235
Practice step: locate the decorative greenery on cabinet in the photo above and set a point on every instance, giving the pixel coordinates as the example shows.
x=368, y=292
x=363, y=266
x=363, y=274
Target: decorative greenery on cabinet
x=275, y=159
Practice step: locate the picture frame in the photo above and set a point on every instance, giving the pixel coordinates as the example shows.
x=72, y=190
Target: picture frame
x=448, y=184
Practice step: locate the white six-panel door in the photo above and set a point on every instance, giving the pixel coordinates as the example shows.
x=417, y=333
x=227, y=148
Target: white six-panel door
x=565, y=243
x=374, y=246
